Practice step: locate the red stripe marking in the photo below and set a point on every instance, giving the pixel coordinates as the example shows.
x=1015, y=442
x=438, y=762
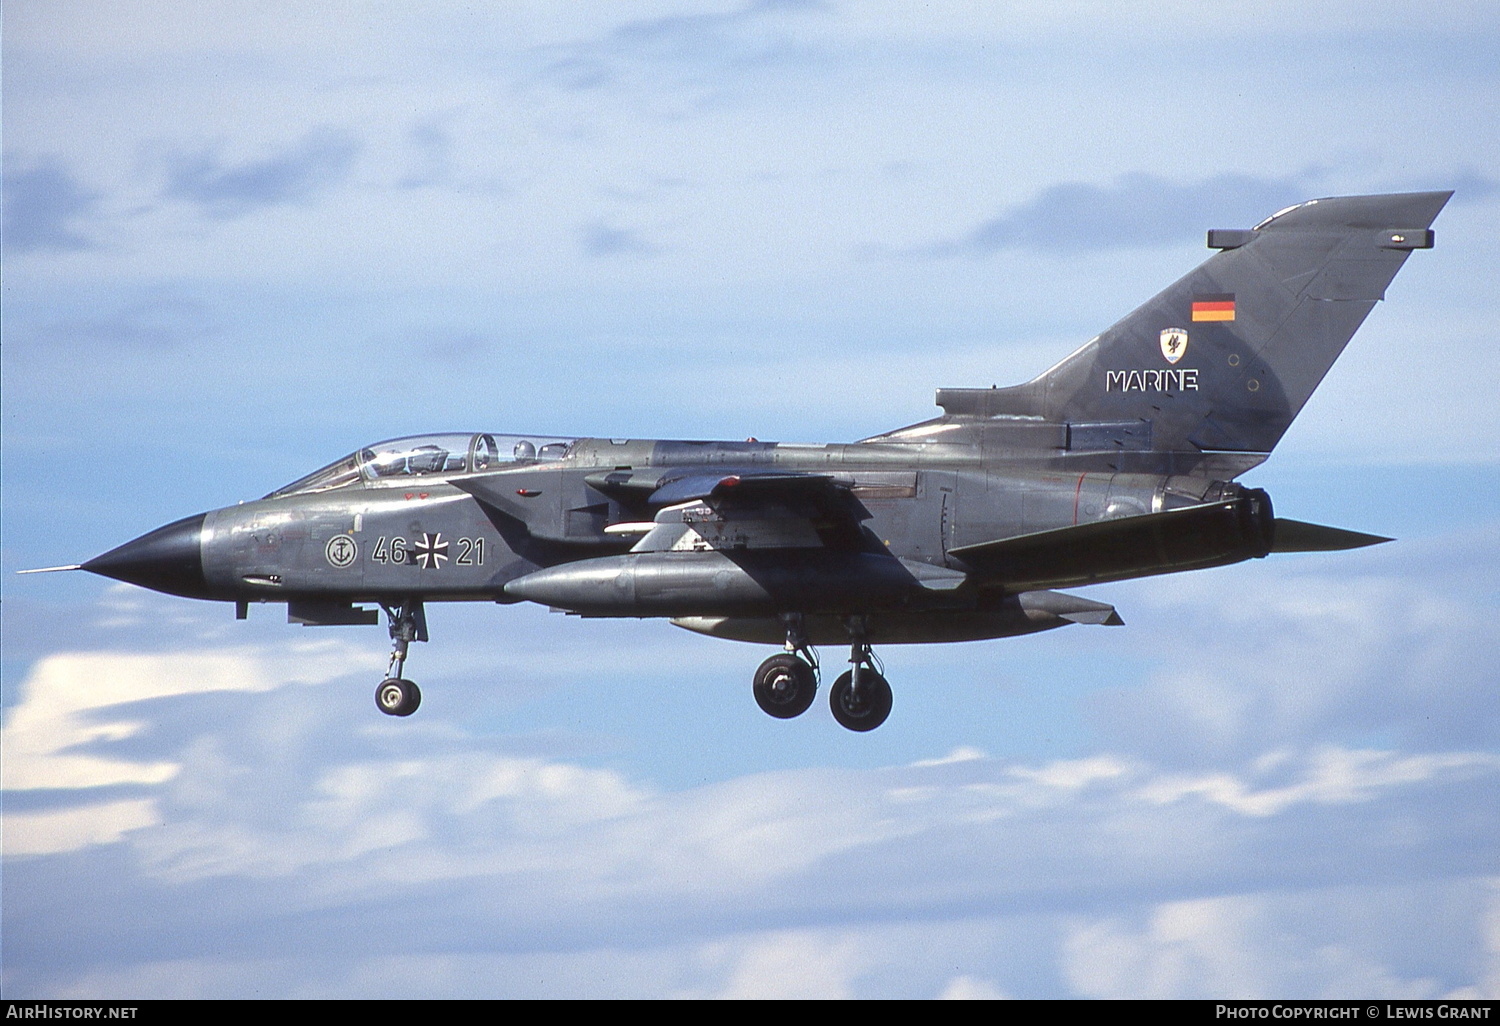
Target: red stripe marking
x=1077, y=492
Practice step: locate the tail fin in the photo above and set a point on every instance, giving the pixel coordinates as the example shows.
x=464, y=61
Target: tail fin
x=1225, y=358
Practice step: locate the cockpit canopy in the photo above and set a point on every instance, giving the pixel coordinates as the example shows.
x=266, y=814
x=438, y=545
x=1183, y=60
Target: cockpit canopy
x=429, y=455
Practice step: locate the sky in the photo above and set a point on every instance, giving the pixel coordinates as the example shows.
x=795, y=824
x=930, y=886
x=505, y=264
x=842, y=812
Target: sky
x=242, y=239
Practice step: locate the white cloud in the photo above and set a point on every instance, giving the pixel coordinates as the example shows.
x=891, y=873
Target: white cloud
x=72, y=702
x=53, y=718
x=1328, y=942
x=1292, y=653
x=1333, y=776
x=556, y=841
x=1234, y=947
x=968, y=988
x=963, y=753
x=1072, y=775
x=63, y=830
x=792, y=966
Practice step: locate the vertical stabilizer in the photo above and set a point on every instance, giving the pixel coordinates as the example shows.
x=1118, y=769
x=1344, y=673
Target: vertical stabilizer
x=1225, y=358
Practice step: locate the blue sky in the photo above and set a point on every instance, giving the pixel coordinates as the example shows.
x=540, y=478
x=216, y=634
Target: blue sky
x=243, y=239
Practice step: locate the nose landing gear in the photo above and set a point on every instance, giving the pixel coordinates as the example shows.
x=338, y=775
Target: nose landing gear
x=396, y=696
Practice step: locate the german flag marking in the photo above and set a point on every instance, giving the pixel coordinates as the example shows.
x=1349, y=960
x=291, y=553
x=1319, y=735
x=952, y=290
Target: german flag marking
x=1213, y=306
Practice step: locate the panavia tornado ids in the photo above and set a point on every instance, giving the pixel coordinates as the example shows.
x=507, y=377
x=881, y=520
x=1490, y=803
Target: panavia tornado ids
x=1119, y=462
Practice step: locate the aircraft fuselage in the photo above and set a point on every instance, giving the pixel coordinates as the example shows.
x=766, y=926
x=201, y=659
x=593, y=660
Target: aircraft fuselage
x=1118, y=462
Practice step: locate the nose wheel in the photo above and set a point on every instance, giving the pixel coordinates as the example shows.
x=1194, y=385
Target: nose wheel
x=397, y=696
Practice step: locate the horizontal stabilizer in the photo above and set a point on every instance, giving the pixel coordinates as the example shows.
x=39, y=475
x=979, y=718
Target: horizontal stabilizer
x=1191, y=538
x=1095, y=618
x=1295, y=536
x=1071, y=607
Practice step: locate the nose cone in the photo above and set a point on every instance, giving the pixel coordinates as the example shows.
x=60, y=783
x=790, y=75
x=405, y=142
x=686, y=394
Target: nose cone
x=169, y=559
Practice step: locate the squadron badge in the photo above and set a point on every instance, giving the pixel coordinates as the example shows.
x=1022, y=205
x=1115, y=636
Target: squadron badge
x=1174, y=344
x=341, y=551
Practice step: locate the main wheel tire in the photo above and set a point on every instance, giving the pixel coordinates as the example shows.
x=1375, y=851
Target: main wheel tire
x=872, y=707
x=785, y=686
x=397, y=697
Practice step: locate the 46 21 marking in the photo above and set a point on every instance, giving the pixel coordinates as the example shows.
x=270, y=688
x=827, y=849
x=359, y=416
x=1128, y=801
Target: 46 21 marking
x=399, y=550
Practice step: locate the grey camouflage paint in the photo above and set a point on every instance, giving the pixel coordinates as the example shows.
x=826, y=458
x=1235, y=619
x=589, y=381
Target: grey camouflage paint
x=1117, y=462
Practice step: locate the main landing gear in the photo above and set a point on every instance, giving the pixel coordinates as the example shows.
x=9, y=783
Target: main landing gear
x=860, y=698
x=787, y=683
x=396, y=696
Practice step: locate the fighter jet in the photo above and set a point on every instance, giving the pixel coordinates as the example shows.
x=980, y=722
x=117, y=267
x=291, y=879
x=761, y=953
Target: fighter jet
x=1119, y=462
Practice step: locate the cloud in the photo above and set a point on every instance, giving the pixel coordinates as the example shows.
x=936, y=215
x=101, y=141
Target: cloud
x=1221, y=948
x=701, y=52
x=160, y=320
x=159, y=778
x=767, y=885
x=78, y=713
x=270, y=795
x=1329, y=942
x=604, y=240
x=432, y=152
x=967, y=988
x=44, y=204
x=323, y=158
x=1136, y=210
x=1299, y=656
x=792, y=966
x=1139, y=210
x=1332, y=776
x=694, y=35
x=1469, y=186
x=64, y=830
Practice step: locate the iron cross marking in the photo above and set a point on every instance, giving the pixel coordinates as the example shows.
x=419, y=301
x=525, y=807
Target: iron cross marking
x=430, y=552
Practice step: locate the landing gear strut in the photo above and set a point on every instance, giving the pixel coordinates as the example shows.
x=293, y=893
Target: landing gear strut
x=787, y=683
x=396, y=696
x=860, y=698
